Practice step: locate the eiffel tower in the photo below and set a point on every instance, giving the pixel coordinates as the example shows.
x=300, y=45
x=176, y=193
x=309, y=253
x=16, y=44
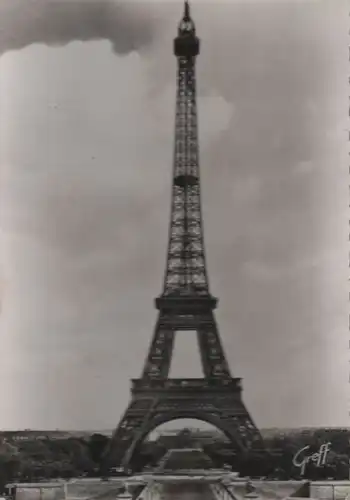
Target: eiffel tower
x=185, y=304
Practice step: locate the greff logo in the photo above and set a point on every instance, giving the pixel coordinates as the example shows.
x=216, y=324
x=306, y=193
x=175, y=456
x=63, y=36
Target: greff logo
x=319, y=458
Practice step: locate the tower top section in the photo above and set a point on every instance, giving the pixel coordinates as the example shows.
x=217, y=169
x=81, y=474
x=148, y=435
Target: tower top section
x=186, y=44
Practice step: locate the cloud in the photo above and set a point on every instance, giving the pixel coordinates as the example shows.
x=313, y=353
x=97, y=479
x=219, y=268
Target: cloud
x=304, y=167
x=246, y=189
x=58, y=22
x=270, y=271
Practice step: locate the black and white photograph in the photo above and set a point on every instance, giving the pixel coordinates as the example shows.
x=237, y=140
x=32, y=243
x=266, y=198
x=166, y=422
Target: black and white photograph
x=174, y=249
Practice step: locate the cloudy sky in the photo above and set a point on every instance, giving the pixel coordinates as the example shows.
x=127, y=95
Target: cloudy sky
x=87, y=92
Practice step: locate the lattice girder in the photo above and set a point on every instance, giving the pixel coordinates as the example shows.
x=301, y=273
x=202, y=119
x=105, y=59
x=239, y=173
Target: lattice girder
x=200, y=323
x=186, y=265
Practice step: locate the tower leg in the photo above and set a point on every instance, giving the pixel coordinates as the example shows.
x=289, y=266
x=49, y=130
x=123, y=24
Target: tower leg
x=129, y=429
x=156, y=402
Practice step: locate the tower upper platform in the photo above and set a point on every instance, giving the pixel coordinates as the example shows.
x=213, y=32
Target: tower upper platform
x=186, y=44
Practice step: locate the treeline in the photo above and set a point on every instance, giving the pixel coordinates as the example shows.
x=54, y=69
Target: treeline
x=282, y=448
x=36, y=459
x=336, y=460
x=47, y=458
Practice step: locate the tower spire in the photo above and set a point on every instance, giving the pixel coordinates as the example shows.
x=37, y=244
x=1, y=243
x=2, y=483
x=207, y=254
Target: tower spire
x=187, y=15
x=186, y=26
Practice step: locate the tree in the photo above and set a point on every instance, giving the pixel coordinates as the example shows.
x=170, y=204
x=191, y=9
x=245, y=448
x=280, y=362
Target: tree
x=97, y=445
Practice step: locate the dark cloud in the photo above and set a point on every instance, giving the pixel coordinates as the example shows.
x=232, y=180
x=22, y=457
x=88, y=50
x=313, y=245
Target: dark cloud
x=56, y=22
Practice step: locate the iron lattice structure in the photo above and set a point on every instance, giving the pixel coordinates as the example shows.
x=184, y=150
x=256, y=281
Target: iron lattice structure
x=185, y=303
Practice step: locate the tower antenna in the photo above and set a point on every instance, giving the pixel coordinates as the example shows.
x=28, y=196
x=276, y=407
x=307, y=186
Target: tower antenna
x=187, y=15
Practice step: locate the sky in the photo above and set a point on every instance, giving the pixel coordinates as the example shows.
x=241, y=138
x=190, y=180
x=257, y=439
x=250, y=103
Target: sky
x=87, y=103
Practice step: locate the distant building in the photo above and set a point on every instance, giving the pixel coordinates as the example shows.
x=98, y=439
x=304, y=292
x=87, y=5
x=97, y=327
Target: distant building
x=184, y=460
